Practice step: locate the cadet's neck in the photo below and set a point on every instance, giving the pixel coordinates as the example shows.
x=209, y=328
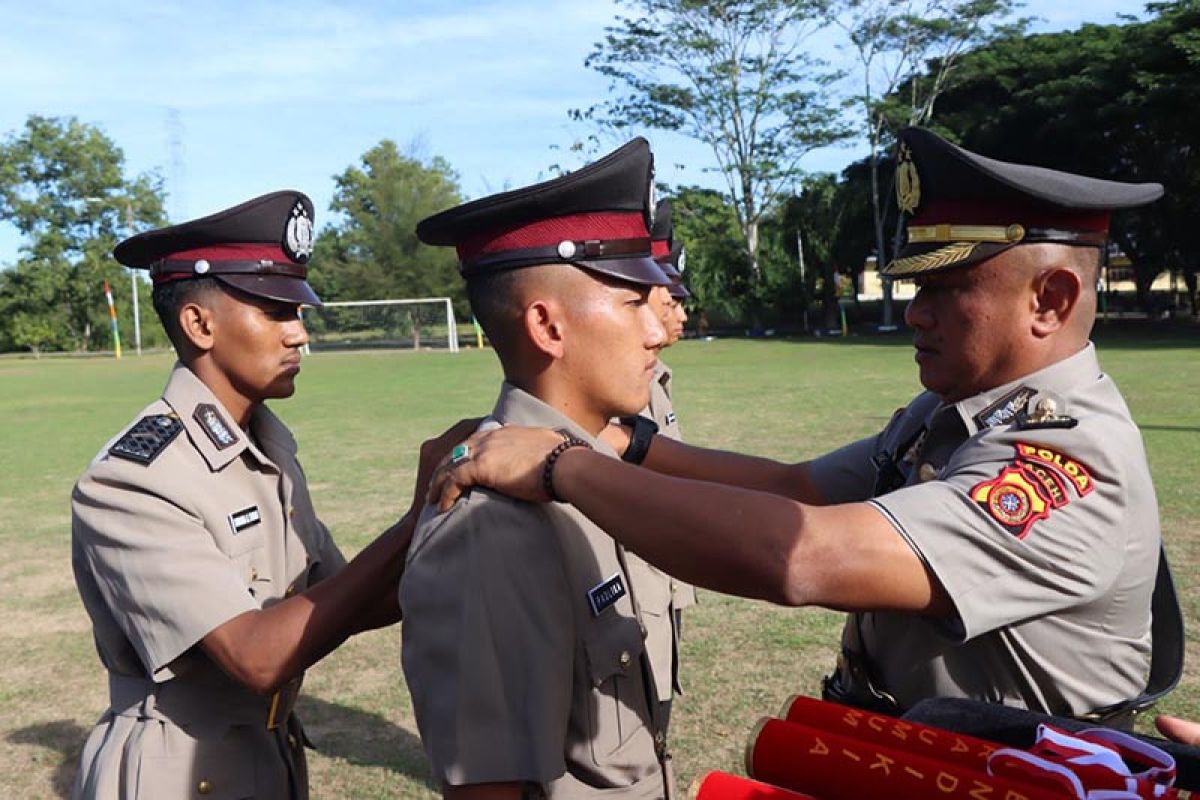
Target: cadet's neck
x=239, y=406
x=565, y=398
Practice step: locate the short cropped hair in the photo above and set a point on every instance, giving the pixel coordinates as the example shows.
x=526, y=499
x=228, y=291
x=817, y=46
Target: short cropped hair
x=171, y=296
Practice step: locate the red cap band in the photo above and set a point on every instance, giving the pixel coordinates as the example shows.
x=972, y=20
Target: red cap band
x=966, y=212
x=597, y=225
x=233, y=252
x=660, y=248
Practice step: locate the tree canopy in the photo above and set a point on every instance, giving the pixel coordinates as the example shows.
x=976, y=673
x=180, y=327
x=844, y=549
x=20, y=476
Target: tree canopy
x=731, y=73
x=63, y=186
x=371, y=250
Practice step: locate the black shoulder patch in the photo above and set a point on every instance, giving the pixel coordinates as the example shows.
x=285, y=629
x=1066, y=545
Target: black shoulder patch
x=148, y=437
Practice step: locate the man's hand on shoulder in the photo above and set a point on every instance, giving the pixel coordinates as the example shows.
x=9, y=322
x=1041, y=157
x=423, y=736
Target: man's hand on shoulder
x=510, y=460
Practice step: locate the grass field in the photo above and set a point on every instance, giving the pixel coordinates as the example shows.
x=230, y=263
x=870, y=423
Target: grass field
x=359, y=418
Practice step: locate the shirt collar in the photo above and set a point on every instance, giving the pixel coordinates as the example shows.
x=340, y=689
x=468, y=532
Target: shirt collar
x=211, y=427
x=515, y=406
x=1056, y=380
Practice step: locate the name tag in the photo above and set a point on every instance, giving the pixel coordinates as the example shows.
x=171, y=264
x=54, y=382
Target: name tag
x=604, y=595
x=246, y=518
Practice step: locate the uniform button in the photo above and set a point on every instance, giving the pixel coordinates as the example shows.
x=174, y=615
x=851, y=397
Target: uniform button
x=253, y=574
x=291, y=590
x=625, y=659
x=927, y=472
x=291, y=512
x=292, y=740
x=204, y=787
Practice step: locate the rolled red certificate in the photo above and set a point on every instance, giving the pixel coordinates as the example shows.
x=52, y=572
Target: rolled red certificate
x=723, y=786
x=913, y=737
x=835, y=767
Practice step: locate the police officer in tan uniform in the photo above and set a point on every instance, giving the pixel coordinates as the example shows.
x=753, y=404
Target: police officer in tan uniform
x=999, y=539
x=523, y=642
x=210, y=582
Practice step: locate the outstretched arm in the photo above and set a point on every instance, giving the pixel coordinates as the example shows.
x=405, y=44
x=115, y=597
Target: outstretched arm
x=671, y=457
x=731, y=539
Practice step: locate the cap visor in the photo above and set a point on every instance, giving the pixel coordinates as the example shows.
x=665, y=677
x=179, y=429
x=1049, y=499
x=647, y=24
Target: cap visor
x=635, y=270
x=679, y=291
x=273, y=287
x=922, y=259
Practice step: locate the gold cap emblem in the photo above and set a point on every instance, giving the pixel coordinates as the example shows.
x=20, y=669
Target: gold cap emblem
x=908, y=184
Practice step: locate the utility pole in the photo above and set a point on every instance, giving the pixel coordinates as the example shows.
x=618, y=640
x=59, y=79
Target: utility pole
x=137, y=320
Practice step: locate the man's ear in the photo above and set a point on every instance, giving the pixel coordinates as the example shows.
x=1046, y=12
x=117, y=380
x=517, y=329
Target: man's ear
x=197, y=325
x=1057, y=292
x=543, y=321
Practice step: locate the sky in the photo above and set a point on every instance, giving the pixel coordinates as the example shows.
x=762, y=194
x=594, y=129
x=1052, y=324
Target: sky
x=231, y=99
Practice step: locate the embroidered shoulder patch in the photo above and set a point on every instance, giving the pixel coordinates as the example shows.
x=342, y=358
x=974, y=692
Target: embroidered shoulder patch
x=1075, y=473
x=604, y=595
x=1013, y=500
x=148, y=437
x=215, y=426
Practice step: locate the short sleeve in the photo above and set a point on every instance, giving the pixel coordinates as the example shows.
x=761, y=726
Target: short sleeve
x=489, y=642
x=157, y=568
x=847, y=474
x=1010, y=539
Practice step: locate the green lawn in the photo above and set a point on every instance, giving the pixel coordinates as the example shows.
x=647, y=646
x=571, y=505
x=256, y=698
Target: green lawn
x=359, y=418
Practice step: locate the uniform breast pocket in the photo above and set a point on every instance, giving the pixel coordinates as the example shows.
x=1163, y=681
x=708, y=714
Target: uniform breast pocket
x=617, y=710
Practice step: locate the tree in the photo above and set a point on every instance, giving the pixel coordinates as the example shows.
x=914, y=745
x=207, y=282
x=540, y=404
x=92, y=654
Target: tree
x=372, y=251
x=732, y=74
x=912, y=42
x=62, y=185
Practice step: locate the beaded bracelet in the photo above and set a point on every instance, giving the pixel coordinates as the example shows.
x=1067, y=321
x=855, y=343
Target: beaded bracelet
x=566, y=444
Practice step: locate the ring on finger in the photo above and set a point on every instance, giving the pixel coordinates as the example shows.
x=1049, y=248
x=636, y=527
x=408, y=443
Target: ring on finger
x=460, y=453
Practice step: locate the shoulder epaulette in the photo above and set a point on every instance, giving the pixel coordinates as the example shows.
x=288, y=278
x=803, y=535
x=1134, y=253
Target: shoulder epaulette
x=148, y=437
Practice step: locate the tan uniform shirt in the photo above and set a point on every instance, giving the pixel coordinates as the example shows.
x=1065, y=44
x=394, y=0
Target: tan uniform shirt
x=522, y=642
x=1045, y=538
x=216, y=524
x=665, y=596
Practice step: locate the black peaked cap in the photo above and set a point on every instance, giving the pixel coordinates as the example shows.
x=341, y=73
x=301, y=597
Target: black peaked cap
x=620, y=183
x=260, y=246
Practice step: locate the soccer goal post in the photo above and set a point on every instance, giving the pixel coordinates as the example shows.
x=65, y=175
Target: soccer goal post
x=425, y=323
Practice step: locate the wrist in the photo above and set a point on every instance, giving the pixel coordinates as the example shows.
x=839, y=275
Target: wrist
x=642, y=431
x=568, y=443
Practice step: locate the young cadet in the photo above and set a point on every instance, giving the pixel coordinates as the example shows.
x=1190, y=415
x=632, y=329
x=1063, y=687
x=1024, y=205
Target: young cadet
x=210, y=582
x=665, y=596
x=999, y=539
x=523, y=642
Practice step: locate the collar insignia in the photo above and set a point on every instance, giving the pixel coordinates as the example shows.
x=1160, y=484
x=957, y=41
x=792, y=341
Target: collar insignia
x=215, y=426
x=1006, y=409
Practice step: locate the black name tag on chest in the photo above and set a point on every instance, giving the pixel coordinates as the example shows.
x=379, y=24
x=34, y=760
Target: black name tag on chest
x=605, y=595
x=246, y=518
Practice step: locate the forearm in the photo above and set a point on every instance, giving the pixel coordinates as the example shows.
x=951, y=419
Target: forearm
x=263, y=649
x=724, y=538
x=670, y=457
